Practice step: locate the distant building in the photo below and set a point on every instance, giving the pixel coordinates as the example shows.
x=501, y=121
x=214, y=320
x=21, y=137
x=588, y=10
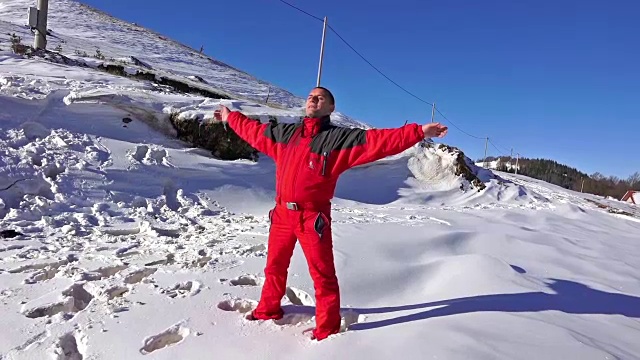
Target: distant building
x=498, y=164
x=632, y=196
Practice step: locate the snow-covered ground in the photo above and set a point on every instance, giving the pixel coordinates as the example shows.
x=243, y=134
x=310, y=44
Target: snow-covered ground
x=132, y=244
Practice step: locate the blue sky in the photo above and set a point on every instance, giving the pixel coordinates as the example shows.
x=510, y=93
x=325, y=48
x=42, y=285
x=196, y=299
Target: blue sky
x=555, y=79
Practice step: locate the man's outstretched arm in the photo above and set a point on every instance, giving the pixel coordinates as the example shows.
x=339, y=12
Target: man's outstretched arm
x=258, y=135
x=380, y=143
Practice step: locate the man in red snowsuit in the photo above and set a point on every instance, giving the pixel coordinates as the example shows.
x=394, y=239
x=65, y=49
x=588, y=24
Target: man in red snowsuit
x=310, y=156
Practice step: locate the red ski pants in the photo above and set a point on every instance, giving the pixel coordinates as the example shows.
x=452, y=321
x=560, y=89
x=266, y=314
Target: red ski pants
x=313, y=229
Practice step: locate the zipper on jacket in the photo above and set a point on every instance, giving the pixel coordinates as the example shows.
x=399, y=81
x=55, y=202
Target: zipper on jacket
x=287, y=157
x=297, y=167
x=324, y=162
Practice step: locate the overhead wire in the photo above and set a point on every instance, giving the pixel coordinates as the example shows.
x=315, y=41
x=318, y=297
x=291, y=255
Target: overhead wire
x=456, y=126
x=385, y=76
x=297, y=8
x=496, y=147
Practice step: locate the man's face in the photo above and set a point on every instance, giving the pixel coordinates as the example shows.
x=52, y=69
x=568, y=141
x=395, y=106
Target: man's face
x=318, y=104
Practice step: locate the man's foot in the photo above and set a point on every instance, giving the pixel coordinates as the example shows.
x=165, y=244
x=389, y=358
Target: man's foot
x=309, y=333
x=252, y=317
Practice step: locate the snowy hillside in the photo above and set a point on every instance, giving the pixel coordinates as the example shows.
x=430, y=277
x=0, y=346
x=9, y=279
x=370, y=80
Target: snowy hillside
x=118, y=241
x=79, y=31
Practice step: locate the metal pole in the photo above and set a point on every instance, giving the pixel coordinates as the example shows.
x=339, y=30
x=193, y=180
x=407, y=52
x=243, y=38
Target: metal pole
x=486, y=145
x=40, y=41
x=324, y=32
x=517, y=158
x=433, y=112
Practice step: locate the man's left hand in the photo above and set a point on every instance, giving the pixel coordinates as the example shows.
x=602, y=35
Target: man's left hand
x=434, y=130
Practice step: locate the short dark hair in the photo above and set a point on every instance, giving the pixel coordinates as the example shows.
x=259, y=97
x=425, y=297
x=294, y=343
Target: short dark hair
x=329, y=94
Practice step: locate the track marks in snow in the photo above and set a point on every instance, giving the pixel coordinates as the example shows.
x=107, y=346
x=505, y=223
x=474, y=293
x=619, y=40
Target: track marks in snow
x=150, y=155
x=295, y=318
x=236, y=304
x=348, y=318
x=359, y=216
x=113, y=292
x=102, y=273
x=139, y=275
x=68, y=347
x=247, y=280
x=294, y=315
x=171, y=336
x=183, y=289
x=292, y=294
x=41, y=266
x=42, y=275
x=121, y=231
x=299, y=297
x=43, y=271
x=75, y=299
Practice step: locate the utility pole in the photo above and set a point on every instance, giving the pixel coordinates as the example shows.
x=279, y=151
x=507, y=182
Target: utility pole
x=433, y=111
x=40, y=41
x=486, y=145
x=517, y=158
x=324, y=32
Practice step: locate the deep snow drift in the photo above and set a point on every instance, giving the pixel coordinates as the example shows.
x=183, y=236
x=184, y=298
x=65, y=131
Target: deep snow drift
x=120, y=242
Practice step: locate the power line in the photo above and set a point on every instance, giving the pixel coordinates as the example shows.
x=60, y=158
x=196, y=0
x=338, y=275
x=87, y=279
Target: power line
x=456, y=126
x=360, y=55
x=380, y=72
x=499, y=150
x=376, y=69
x=297, y=8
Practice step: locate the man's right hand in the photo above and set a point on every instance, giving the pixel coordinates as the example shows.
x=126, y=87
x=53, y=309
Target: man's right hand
x=222, y=113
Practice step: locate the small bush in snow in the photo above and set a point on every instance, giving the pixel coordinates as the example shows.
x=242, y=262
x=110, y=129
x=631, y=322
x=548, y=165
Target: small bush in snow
x=17, y=46
x=58, y=48
x=81, y=53
x=99, y=54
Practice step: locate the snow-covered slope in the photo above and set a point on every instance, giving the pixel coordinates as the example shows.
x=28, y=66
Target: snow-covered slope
x=80, y=29
x=120, y=242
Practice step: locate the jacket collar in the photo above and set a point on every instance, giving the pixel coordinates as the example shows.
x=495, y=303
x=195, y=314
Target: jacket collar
x=312, y=126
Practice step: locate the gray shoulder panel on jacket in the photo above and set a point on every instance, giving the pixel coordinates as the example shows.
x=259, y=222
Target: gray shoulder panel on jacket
x=338, y=138
x=280, y=133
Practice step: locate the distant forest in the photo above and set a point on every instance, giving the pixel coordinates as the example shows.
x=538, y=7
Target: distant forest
x=570, y=178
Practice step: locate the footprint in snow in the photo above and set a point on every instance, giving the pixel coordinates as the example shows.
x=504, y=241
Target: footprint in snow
x=348, y=318
x=293, y=314
x=75, y=299
x=299, y=297
x=139, y=275
x=150, y=156
x=183, y=289
x=169, y=337
x=42, y=271
x=293, y=295
x=67, y=347
x=236, y=304
x=101, y=273
x=247, y=280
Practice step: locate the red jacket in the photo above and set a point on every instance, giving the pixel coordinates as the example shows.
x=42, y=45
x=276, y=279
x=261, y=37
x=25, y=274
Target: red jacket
x=311, y=154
